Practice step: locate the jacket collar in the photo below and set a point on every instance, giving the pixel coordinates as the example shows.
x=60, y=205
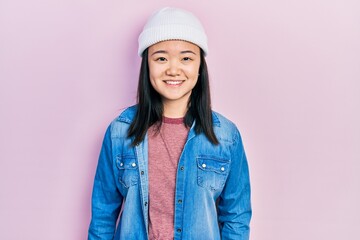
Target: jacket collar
x=128, y=114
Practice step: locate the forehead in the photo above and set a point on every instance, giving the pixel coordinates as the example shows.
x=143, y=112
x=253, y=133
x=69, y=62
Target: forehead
x=174, y=46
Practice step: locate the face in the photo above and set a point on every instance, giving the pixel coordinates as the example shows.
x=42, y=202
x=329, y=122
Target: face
x=174, y=69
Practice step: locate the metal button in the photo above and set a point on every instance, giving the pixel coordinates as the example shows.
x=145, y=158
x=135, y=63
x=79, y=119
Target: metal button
x=178, y=230
x=181, y=168
x=179, y=201
x=121, y=164
x=222, y=169
x=203, y=165
x=142, y=172
x=133, y=164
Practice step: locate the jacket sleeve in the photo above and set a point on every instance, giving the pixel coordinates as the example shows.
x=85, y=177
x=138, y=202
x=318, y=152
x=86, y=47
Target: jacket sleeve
x=234, y=207
x=106, y=199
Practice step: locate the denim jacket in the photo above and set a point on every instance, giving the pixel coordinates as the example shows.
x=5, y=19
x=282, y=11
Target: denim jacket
x=212, y=196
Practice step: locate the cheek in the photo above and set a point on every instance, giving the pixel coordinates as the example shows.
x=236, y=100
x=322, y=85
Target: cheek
x=152, y=74
x=152, y=81
x=155, y=71
x=151, y=69
x=193, y=71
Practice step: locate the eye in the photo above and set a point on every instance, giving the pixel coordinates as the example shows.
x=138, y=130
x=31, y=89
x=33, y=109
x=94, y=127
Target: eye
x=161, y=59
x=187, y=59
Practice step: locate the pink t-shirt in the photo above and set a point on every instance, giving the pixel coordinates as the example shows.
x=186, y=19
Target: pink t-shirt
x=165, y=148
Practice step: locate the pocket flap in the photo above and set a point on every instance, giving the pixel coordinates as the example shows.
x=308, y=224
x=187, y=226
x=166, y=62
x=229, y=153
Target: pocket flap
x=126, y=162
x=213, y=164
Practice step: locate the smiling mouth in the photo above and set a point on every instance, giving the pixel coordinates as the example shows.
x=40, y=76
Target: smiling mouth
x=173, y=82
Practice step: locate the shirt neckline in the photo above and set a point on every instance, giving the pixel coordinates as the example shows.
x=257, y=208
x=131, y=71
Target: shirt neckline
x=173, y=120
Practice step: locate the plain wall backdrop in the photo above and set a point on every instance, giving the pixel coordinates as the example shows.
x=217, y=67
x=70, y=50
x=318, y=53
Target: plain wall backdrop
x=286, y=72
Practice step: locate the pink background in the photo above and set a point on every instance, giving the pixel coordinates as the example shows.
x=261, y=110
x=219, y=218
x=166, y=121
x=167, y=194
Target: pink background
x=286, y=72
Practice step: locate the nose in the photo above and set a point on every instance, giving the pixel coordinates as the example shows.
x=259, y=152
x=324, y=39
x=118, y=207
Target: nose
x=173, y=69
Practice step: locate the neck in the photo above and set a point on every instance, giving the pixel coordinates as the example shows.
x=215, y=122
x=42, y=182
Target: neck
x=175, y=109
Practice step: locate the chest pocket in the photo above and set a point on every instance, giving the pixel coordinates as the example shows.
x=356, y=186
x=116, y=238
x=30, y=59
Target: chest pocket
x=128, y=170
x=212, y=172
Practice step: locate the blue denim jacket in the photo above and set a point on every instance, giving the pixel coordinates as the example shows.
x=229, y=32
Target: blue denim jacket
x=212, y=198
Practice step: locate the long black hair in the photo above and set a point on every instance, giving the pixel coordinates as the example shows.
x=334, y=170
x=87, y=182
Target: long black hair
x=150, y=107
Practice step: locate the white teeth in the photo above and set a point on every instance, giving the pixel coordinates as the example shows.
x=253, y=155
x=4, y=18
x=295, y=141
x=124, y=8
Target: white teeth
x=173, y=82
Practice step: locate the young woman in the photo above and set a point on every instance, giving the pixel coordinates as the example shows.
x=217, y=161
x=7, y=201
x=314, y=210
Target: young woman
x=170, y=167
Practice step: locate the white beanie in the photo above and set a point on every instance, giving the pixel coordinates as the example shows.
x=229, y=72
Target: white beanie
x=172, y=24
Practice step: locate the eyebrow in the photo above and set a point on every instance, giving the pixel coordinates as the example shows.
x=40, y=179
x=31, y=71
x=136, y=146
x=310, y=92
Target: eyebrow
x=182, y=52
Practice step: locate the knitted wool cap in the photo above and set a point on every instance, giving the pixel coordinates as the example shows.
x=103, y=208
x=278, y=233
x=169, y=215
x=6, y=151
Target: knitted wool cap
x=172, y=24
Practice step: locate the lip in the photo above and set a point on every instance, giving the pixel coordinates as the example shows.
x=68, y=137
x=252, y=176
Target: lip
x=173, y=82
